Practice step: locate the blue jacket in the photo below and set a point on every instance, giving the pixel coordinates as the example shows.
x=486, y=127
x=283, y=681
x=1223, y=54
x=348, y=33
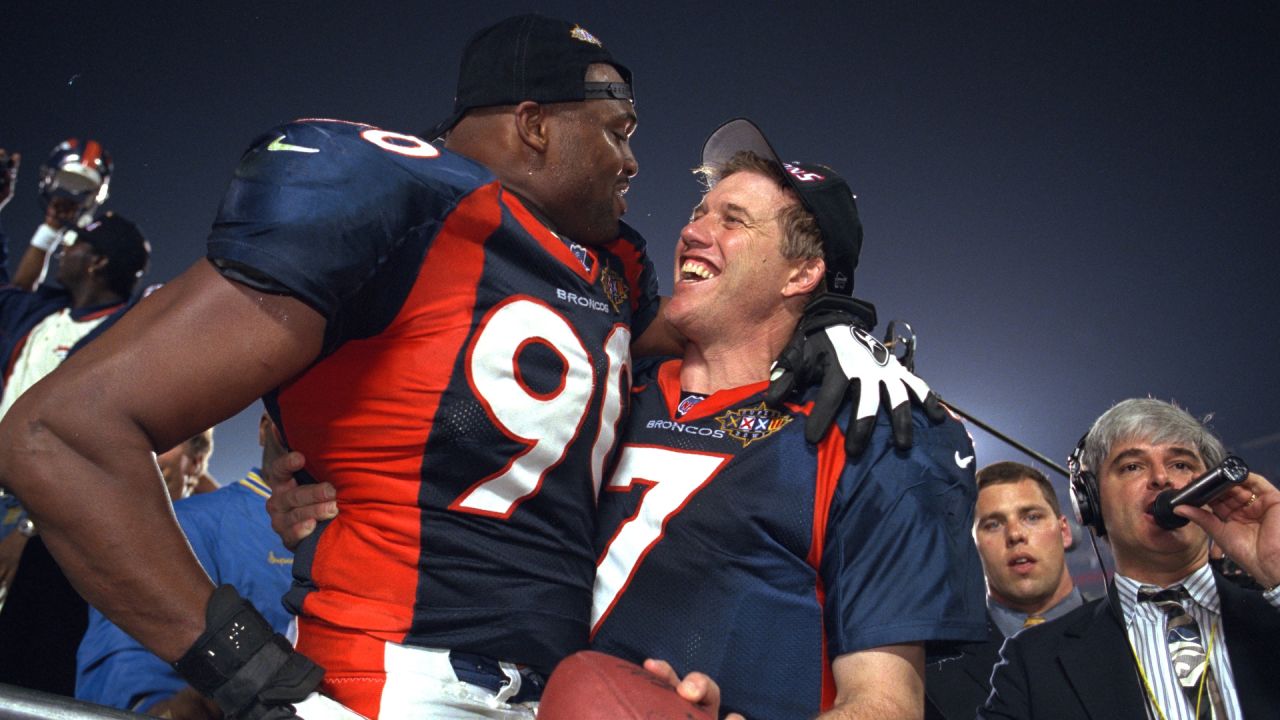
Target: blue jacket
x=230, y=532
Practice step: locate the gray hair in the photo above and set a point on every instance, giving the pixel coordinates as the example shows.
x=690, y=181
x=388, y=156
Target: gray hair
x=1153, y=421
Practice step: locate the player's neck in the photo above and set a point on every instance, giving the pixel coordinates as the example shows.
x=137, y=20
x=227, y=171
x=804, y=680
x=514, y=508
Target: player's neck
x=92, y=295
x=732, y=361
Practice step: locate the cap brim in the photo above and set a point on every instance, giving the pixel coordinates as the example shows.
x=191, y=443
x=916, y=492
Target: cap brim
x=442, y=128
x=733, y=137
x=829, y=198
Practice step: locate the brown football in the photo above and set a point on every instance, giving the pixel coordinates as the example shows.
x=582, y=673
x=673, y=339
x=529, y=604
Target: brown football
x=590, y=685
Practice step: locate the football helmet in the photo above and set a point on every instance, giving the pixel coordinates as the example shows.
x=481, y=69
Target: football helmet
x=79, y=171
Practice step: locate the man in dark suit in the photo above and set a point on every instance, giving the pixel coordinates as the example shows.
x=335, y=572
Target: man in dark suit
x=1111, y=657
x=1022, y=537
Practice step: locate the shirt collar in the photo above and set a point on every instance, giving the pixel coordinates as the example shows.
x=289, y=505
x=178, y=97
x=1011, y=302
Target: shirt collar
x=1199, y=584
x=253, y=480
x=1010, y=621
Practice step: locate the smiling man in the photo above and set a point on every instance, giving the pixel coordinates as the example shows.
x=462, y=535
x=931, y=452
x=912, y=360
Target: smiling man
x=1172, y=639
x=800, y=581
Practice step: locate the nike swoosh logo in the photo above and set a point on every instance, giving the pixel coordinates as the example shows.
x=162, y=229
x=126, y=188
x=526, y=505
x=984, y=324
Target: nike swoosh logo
x=963, y=461
x=277, y=146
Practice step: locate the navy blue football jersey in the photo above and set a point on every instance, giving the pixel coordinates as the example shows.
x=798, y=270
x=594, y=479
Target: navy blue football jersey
x=467, y=399
x=731, y=546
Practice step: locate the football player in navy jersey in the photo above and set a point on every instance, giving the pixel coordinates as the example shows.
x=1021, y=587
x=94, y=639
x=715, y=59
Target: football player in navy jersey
x=444, y=333
x=728, y=544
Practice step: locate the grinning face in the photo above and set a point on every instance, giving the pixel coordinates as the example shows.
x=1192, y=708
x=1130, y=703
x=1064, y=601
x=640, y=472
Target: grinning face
x=1133, y=474
x=1022, y=544
x=730, y=273
x=589, y=164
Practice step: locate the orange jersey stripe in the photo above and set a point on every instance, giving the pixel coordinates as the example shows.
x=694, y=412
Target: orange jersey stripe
x=831, y=461
x=372, y=404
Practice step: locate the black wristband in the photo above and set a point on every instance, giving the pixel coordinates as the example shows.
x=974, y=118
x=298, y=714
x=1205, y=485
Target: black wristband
x=242, y=663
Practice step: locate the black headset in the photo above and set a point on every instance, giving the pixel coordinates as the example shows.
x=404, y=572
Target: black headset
x=1085, y=499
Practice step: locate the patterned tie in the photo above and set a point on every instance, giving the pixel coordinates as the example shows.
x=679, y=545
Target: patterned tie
x=1186, y=650
x=1032, y=620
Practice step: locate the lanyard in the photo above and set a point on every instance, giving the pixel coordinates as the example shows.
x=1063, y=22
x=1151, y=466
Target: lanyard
x=1146, y=684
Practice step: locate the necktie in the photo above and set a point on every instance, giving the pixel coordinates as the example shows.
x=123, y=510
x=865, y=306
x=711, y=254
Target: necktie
x=1032, y=620
x=1186, y=650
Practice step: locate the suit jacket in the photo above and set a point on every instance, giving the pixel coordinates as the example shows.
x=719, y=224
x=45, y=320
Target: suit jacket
x=956, y=688
x=1081, y=665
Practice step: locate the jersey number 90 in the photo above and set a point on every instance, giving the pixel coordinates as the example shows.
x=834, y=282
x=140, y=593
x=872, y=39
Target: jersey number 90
x=546, y=423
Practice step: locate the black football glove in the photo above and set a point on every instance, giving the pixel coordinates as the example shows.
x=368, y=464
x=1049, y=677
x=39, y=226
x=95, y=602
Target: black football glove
x=249, y=669
x=833, y=345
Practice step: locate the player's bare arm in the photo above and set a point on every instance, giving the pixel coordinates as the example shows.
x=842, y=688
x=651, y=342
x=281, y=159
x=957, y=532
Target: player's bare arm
x=884, y=683
x=77, y=449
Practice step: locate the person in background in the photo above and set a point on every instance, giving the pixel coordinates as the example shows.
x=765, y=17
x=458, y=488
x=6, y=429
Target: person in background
x=98, y=272
x=186, y=466
x=74, y=182
x=1171, y=638
x=1022, y=537
x=230, y=532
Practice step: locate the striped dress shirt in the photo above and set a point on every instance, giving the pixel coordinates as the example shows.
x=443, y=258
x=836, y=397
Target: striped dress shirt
x=1147, y=625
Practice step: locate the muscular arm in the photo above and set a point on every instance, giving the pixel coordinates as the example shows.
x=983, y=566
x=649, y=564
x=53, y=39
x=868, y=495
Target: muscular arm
x=884, y=683
x=77, y=448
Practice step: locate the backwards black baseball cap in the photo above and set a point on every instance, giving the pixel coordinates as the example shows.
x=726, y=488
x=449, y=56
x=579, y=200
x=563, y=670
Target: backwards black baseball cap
x=531, y=57
x=118, y=240
x=820, y=189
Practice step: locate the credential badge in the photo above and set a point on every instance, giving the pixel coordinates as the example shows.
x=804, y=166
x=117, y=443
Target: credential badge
x=751, y=424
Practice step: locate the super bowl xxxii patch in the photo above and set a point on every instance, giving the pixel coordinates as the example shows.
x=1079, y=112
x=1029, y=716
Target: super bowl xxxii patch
x=751, y=424
x=580, y=33
x=614, y=287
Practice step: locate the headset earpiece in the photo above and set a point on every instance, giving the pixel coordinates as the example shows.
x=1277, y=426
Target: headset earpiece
x=1084, y=493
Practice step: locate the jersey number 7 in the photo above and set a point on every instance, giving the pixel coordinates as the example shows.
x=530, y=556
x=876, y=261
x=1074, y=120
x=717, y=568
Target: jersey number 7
x=673, y=477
